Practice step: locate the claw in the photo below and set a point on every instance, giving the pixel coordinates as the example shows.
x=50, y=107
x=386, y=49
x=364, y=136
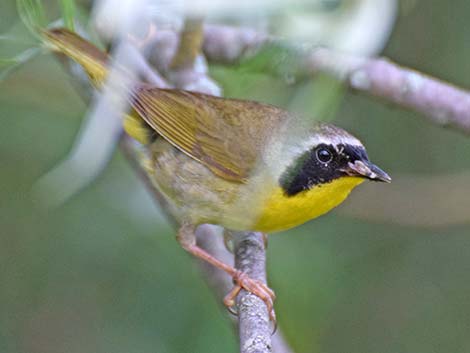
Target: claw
x=258, y=288
x=229, y=300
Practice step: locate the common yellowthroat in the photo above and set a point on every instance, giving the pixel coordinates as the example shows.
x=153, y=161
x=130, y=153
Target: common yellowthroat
x=235, y=163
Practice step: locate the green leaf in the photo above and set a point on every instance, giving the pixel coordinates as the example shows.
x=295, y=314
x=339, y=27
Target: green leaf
x=68, y=13
x=32, y=14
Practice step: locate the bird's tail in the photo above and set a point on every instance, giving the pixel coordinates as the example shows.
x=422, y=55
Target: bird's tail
x=95, y=63
x=93, y=60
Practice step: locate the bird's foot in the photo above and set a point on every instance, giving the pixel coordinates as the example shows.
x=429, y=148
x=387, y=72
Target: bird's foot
x=258, y=288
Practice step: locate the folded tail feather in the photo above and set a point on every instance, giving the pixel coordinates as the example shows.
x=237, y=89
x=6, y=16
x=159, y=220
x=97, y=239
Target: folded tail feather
x=92, y=59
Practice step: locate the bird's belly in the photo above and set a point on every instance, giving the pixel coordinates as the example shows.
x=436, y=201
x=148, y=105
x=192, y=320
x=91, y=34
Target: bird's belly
x=195, y=194
x=281, y=212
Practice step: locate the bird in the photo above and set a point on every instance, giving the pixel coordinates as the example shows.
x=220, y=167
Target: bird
x=239, y=164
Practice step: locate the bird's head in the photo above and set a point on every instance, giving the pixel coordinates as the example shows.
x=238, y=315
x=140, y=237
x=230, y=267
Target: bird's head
x=328, y=154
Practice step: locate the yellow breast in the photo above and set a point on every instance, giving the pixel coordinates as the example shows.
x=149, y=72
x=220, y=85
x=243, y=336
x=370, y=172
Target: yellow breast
x=281, y=212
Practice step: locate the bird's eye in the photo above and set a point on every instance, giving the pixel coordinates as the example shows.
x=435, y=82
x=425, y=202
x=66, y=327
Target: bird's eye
x=324, y=155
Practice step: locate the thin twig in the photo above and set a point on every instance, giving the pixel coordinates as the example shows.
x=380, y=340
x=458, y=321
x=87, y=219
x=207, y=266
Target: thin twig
x=210, y=238
x=253, y=317
x=190, y=43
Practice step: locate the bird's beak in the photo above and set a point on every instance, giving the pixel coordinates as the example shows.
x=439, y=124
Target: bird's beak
x=367, y=170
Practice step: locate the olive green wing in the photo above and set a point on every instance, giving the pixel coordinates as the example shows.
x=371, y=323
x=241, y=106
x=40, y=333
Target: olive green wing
x=226, y=135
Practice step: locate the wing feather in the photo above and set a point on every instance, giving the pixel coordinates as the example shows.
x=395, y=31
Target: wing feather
x=226, y=135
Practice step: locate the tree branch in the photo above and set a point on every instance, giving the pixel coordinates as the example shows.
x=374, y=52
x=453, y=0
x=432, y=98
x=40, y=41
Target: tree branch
x=440, y=102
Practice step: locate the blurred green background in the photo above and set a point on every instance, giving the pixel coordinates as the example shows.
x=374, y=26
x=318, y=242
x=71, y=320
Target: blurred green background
x=103, y=273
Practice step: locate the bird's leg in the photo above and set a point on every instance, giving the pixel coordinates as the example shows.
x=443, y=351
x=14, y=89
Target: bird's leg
x=187, y=239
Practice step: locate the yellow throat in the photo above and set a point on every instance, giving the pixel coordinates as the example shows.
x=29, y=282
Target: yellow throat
x=281, y=212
